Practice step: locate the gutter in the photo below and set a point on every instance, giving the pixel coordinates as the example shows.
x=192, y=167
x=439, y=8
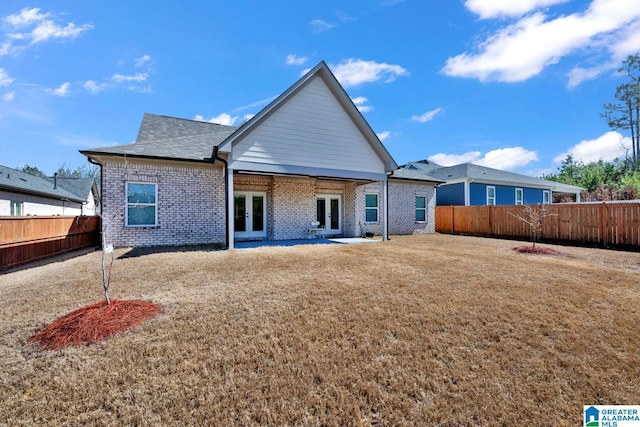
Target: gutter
x=93, y=162
x=214, y=157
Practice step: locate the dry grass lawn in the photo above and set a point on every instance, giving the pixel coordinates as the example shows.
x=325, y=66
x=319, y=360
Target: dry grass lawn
x=421, y=330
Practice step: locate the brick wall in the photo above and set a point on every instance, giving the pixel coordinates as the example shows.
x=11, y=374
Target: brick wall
x=294, y=207
x=401, y=208
x=190, y=204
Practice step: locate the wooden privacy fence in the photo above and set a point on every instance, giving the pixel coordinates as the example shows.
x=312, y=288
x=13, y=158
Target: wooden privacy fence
x=605, y=224
x=26, y=239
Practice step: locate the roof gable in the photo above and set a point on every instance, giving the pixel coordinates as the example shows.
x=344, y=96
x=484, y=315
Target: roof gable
x=314, y=113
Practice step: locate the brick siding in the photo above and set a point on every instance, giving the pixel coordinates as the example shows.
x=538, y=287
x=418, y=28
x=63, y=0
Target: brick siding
x=401, y=208
x=190, y=204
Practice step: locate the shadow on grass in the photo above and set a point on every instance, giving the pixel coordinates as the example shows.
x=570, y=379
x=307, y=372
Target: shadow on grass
x=150, y=250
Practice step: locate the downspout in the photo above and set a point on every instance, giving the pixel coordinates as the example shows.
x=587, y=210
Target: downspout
x=214, y=157
x=93, y=162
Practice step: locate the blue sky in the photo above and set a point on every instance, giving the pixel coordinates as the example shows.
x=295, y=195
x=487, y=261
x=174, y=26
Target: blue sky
x=510, y=84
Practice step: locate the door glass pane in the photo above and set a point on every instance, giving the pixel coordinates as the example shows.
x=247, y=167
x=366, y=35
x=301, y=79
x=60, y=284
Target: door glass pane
x=240, y=213
x=321, y=211
x=335, y=214
x=258, y=213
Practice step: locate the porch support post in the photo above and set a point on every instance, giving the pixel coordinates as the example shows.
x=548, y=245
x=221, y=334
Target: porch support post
x=230, y=213
x=385, y=209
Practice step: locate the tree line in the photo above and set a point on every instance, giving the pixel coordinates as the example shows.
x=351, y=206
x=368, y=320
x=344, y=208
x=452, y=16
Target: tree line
x=64, y=171
x=618, y=179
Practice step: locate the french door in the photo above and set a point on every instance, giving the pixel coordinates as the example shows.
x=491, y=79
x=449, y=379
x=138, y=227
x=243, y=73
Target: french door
x=250, y=214
x=329, y=212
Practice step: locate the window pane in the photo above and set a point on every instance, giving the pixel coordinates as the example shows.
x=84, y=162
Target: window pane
x=141, y=193
x=258, y=211
x=240, y=213
x=371, y=200
x=141, y=215
x=420, y=215
x=420, y=202
x=491, y=191
x=321, y=212
x=335, y=214
x=371, y=215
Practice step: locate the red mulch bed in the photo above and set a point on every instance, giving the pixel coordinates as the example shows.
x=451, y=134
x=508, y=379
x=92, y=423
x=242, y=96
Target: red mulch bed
x=537, y=250
x=93, y=323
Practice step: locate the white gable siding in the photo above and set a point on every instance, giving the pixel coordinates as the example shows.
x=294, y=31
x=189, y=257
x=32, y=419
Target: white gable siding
x=311, y=129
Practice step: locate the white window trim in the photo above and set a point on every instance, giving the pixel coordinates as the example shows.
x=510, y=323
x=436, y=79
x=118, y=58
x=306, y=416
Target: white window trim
x=494, y=195
x=377, y=208
x=127, y=204
x=521, y=201
x=546, y=194
x=421, y=209
x=19, y=205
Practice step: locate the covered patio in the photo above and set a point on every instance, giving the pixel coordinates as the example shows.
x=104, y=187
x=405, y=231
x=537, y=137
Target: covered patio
x=295, y=242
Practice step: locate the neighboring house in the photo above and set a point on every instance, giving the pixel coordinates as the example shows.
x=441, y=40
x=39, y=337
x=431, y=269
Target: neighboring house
x=473, y=185
x=22, y=194
x=307, y=156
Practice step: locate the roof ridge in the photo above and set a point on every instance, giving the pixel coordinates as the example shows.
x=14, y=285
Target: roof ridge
x=190, y=120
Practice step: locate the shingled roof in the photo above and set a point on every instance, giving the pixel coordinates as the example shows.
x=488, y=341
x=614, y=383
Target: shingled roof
x=73, y=189
x=484, y=173
x=166, y=137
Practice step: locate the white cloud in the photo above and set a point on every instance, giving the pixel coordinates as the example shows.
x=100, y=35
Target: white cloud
x=94, y=87
x=9, y=96
x=628, y=42
x=455, y=159
x=606, y=147
x=5, y=79
x=63, y=90
x=507, y=158
x=25, y=17
x=5, y=48
x=383, y=135
x=319, y=25
x=498, y=8
x=296, y=60
x=359, y=103
x=139, y=62
x=429, y=115
x=354, y=72
x=43, y=28
x=579, y=75
x=256, y=104
x=502, y=158
x=523, y=49
x=221, y=119
x=138, y=77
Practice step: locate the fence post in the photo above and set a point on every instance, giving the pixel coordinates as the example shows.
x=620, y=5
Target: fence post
x=453, y=217
x=604, y=229
x=491, y=220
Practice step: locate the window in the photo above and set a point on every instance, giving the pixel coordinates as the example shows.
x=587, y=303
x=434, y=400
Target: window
x=491, y=195
x=371, y=208
x=546, y=197
x=141, y=205
x=17, y=208
x=421, y=208
x=519, y=196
